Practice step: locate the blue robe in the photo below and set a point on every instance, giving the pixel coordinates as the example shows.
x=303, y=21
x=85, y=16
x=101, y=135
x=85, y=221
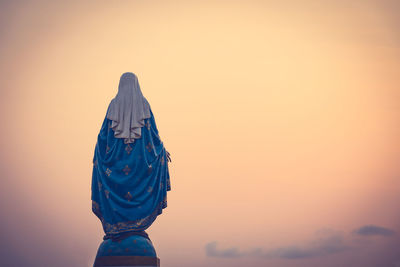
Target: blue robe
x=130, y=180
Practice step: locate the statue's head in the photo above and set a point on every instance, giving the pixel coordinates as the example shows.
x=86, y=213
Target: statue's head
x=128, y=82
x=128, y=75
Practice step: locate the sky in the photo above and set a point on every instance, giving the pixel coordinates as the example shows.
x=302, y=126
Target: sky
x=281, y=117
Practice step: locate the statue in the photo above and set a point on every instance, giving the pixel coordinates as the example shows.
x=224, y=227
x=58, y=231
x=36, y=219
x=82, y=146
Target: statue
x=130, y=178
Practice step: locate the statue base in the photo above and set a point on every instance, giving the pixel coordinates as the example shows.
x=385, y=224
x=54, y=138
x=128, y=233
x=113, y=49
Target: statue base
x=134, y=250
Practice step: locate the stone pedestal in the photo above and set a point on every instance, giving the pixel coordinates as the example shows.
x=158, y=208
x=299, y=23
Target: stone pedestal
x=133, y=250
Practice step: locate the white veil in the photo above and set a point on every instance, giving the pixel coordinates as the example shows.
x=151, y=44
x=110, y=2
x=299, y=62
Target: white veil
x=128, y=109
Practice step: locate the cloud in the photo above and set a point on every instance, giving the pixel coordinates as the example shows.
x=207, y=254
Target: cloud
x=328, y=242
x=212, y=251
x=373, y=230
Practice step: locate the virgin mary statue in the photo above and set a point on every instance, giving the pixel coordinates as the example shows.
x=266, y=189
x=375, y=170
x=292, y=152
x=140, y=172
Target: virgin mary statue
x=130, y=176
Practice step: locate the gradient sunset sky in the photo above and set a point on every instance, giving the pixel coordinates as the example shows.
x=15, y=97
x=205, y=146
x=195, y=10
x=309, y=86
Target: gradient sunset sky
x=282, y=119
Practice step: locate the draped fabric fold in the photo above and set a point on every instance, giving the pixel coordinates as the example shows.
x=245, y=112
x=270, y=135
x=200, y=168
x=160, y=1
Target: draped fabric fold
x=129, y=180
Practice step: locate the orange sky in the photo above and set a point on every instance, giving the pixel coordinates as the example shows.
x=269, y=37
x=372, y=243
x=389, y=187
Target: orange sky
x=282, y=119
